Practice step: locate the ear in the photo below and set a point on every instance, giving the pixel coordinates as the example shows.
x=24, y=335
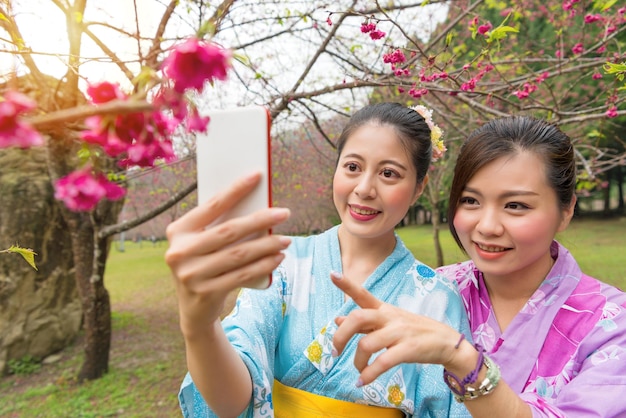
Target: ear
x=419, y=189
x=567, y=214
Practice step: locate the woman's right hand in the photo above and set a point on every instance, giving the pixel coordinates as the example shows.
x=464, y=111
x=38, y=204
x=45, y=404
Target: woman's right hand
x=209, y=263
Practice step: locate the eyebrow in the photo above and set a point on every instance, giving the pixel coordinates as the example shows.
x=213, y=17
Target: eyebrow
x=383, y=162
x=509, y=193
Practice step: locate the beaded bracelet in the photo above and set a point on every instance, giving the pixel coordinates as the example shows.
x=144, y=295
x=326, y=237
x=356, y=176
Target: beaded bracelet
x=461, y=389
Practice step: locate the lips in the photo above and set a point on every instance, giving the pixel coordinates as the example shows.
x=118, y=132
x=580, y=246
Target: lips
x=491, y=248
x=364, y=211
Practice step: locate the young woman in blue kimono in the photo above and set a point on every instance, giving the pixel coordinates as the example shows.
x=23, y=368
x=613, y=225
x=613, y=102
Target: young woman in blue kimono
x=557, y=335
x=273, y=355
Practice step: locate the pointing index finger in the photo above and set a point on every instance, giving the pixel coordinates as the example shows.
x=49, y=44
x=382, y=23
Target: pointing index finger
x=358, y=293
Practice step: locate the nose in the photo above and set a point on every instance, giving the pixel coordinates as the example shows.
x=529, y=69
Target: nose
x=489, y=223
x=366, y=187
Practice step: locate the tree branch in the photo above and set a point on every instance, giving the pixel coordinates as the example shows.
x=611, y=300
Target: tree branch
x=110, y=230
x=81, y=112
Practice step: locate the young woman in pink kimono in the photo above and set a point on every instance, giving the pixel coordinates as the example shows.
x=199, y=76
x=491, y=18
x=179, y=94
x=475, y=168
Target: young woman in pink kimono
x=556, y=335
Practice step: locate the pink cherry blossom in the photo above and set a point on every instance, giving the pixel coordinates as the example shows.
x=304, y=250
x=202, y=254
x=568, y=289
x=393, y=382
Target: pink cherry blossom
x=197, y=123
x=578, y=49
x=592, y=18
x=470, y=85
x=15, y=132
x=377, y=34
x=402, y=72
x=526, y=90
x=612, y=112
x=194, y=62
x=367, y=27
x=81, y=191
x=144, y=154
x=542, y=77
x=104, y=92
x=521, y=94
x=395, y=57
x=483, y=29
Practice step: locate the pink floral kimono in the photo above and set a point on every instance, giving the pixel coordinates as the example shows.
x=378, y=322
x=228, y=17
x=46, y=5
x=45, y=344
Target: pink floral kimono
x=565, y=351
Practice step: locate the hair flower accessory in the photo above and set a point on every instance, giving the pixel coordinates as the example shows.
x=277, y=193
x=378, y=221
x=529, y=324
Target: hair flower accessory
x=435, y=131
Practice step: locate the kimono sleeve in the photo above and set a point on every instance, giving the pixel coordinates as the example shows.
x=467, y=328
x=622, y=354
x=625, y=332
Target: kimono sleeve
x=598, y=389
x=252, y=328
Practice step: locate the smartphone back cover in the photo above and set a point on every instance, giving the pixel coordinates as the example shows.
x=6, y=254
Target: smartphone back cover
x=236, y=143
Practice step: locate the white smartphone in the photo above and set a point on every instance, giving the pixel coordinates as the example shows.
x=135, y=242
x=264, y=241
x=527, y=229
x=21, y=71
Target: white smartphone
x=237, y=142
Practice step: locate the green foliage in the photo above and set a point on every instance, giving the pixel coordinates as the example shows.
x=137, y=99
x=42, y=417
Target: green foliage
x=26, y=253
x=617, y=70
x=603, y=5
x=24, y=366
x=500, y=33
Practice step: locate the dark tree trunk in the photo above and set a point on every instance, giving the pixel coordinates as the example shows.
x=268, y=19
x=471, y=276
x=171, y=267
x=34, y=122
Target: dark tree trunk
x=90, y=254
x=619, y=179
x=607, y=193
x=93, y=295
x=435, y=218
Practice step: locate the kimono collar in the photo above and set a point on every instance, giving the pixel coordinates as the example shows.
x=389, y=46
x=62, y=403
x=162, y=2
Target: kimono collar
x=517, y=349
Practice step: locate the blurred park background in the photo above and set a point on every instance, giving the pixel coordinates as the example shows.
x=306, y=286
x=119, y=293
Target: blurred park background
x=93, y=332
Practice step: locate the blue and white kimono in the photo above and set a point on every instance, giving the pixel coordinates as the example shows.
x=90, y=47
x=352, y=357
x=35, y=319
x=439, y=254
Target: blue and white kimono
x=285, y=332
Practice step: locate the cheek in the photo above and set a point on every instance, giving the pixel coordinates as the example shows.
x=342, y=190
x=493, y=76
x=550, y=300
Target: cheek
x=462, y=223
x=400, y=197
x=530, y=231
x=341, y=188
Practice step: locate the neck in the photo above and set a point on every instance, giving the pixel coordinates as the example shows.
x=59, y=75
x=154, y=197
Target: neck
x=518, y=285
x=360, y=257
x=509, y=293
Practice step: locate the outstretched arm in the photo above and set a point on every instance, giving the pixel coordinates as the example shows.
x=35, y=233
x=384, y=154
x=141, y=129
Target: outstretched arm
x=207, y=264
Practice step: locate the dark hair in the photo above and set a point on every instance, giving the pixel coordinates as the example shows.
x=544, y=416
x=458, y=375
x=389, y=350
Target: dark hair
x=412, y=130
x=508, y=136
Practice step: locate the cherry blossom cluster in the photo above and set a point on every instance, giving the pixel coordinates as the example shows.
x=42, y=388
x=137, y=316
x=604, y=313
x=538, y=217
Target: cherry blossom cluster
x=135, y=139
x=371, y=29
x=472, y=74
x=14, y=132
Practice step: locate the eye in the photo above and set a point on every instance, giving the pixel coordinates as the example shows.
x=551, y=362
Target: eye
x=389, y=173
x=468, y=200
x=516, y=206
x=352, y=167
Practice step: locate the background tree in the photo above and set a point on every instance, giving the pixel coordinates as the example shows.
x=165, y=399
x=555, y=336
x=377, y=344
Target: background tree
x=313, y=61
x=62, y=112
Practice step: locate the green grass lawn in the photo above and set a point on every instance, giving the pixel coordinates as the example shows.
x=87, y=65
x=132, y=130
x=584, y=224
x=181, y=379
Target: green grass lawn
x=147, y=355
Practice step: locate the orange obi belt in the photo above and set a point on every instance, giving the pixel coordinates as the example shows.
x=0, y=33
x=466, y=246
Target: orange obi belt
x=295, y=403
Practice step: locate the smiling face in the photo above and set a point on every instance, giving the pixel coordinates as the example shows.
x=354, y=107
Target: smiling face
x=507, y=217
x=374, y=183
